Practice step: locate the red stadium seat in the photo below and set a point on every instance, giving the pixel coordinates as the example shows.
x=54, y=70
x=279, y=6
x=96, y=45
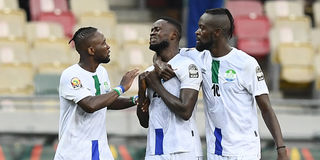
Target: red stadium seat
x=39, y=6
x=66, y=19
x=244, y=7
x=255, y=47
x=251, y=27
x=253, y=34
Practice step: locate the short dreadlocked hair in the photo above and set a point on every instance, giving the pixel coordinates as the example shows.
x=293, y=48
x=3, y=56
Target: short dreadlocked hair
x=223, y=11
x=81, y=35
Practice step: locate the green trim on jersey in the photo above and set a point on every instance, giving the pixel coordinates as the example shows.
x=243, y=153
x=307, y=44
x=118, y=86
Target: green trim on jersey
x=96, y=84
x=215, y=71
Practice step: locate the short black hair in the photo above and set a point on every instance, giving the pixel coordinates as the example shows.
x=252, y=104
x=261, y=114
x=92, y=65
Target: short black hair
x=175, y=23
x=223, y=11
x=82, y=34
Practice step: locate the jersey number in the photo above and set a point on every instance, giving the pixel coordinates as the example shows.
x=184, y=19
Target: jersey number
x=215, y=89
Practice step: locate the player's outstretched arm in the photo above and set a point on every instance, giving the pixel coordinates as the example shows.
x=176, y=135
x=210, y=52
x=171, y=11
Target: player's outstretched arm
x=272, y=123
x=182, y=106
x=143, y=102
x=91, y=104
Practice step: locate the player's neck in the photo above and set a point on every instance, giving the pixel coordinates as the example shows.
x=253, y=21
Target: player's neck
x=168, y=53
x=87, y=65
x=220, y=50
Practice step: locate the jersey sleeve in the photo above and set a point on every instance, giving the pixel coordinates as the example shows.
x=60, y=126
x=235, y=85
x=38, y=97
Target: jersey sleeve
x=189, y=75
x=71, y=88
x=254, y=80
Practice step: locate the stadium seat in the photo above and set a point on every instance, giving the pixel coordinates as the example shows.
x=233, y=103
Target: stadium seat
x=104, y=21
x=16, y=79
x=66, y=19
x=302, y=22
x=257, y=48
x=50, y=51
x=289, y=30
x=136, y=54
x=9, y=4
x=130, y=32
x=317, y=68
x=14, y=51
x=52, y=68
x=80, y=7
x=285, y=8
x=315, y=38
x=252, y=33
x=251, y=27
x=43, y=30
x=46, y=84
x=244, y=7
x=316, y=13
x=43, y=6
x=12, y=23
x=297, y=62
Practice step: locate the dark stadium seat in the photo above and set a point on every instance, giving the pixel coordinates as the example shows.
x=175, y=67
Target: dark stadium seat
x=41, y=82
x=316, y=13
x=244, y=7
x=39, y=6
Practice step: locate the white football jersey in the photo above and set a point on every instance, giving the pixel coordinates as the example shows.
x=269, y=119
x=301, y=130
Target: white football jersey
x=230, y=84
x=168, y=133
x=82, y=135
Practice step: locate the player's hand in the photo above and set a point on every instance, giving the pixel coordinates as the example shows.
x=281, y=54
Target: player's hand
x=143, y=104
x=153, y=80
x=164, y=70
x=282, y=154
x=128, y=78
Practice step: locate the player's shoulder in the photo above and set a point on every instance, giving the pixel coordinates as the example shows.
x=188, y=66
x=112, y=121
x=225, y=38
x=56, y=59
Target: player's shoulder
x=243, y=58
x=100, y=69
x=184, y=60
x=70, y=70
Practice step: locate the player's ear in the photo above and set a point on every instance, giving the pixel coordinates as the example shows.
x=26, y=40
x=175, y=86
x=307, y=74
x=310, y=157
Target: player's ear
x=91, y=51
x=173, y=36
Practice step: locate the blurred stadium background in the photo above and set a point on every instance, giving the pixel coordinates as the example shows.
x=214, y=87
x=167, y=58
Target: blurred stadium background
x=284, y=36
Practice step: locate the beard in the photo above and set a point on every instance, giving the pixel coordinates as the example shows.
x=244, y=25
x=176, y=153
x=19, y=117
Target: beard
x=106, y=60
x=204, y=46
x=158, y=47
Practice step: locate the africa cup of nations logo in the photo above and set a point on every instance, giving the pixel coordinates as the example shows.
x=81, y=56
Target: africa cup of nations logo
x=230, y=75
x=76, y=83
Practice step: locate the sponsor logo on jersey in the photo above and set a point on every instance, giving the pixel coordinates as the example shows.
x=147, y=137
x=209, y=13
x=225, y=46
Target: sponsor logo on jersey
x=76, y=83
x=259, y=74
x=193, y=71
x=230, y=75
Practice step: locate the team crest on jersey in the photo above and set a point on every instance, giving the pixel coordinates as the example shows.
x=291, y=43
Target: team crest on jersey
x=259, y=74
x=230, y=75
x=193, y=71
x=76, y=83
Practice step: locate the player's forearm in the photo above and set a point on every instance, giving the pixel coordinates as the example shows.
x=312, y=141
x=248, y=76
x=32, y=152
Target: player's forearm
x=143, y=117
x=91, y=104
x=121, y=103
x=175, y=104
x=272, y=123
x=270, y=118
